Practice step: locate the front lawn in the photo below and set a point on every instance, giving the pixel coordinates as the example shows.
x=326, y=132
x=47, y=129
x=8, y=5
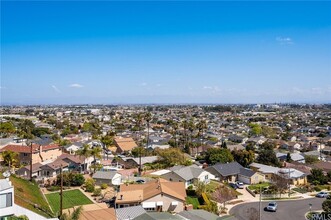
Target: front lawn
x=257, y=186
x=193, y=200
x=29, y=196
x=70, y=199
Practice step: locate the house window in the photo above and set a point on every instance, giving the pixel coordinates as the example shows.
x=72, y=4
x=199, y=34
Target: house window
x=150, y=209
x=6, y=200
x=25, y=154
x=206, y=177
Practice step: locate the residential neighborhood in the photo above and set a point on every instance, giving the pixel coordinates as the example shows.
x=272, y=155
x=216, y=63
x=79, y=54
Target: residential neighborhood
x=182, y=160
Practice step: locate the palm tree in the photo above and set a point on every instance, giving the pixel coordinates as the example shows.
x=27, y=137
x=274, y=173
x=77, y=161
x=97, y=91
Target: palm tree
x=10, y=158
x=74, y=215
x=85, y=151
x=202, y=125
x=96, y=152
x=185, y=127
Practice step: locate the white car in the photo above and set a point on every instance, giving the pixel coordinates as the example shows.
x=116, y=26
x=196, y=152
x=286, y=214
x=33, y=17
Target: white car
x=240, y=184
x=272, y=206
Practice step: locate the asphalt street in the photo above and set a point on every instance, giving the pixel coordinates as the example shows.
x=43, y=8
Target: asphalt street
x=287, y=210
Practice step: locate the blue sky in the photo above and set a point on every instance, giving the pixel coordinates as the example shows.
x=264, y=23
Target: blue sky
x=165, y=52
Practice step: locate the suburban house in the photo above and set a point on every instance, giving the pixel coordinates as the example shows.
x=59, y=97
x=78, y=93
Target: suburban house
x=297, y=157
x=39, y=153
x=43, y=171
x=107, y=177
x=124, y=144
x=158, y=195
x=297, y=177
x=6, y=199
x=235, y=172
x=188, y=174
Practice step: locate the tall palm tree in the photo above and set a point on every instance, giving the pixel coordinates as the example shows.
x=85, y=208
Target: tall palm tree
x=202, y=126
x=96, y=152
x=185, y=127
x=85, y=151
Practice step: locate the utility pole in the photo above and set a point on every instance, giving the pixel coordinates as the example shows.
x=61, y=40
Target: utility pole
x=61, y=192
x=260, y=216
x=31, y=152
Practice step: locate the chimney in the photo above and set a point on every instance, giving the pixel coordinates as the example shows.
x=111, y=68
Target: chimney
x=121, y=197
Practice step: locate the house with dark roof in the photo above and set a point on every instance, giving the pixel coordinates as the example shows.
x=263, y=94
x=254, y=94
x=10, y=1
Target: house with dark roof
x=188, y=174
x=235, y=172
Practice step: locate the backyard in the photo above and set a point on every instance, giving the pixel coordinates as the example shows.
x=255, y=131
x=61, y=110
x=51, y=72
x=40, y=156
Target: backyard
x=70, y=199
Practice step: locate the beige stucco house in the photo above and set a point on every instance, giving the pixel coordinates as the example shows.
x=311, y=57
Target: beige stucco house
x=158, y=195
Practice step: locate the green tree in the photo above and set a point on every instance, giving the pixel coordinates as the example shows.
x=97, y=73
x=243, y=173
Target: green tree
x=6, y=129
x=10, y=158
x=310, y=159
x=84, y=151
x=218, y=155
x=137, y=151
x=317, y=177
x=72, y=216
x=171, y=157
x=243, y=157
x=89, y=185
x=268, y=157
x=256, y=129
x=326, y=205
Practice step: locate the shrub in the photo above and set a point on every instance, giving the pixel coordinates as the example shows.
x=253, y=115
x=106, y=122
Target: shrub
x=53, y=188
x=317, y=188
x=190, y=187
x=78, y=179
x=90, y=185
x=96, y=192
x=104, y=186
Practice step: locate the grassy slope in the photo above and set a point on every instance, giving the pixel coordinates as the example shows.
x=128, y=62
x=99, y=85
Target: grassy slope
x=27, y=194
x=193, y=200
x=70, y=199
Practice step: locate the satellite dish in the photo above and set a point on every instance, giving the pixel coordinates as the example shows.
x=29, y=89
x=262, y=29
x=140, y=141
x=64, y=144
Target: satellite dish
x=6, y=174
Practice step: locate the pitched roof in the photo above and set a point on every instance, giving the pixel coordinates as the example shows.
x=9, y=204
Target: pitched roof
x=158, y=216
x=108, y=175
x=188, y=172
x=227, y=169
x=27, y=149
x=129, y=212
x=141, y=192
x=199, y=214
x=125, y=144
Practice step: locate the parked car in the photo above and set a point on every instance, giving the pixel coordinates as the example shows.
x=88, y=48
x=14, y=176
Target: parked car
x=140, y=181
x=240, y=184
x=272, y=206
x=233, y=185
x=322, y=194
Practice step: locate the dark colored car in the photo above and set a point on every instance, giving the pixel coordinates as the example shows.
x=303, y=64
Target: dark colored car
x=233, y=185
x=141, y=181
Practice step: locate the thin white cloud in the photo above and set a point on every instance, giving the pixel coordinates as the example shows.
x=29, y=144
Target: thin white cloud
x=208, y=87
x=143, y=84
x=76, y=85
x=2, y=87
x=56, y=89
x=284, y=40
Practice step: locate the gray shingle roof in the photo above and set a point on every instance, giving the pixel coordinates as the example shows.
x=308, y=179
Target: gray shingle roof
x=108, y=175
x=199, y=214
x=228, y=169
x=158, y=216
x=129, y=212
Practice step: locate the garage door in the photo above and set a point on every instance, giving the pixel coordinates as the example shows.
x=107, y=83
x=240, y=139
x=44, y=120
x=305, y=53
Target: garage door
x=244, y=179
